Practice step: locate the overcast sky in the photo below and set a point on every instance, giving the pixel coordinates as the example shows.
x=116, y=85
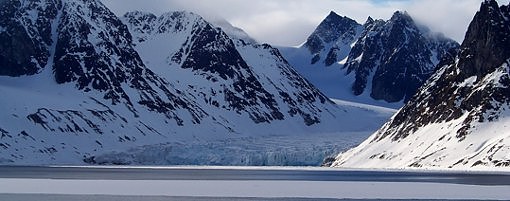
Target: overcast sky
x=289, y=22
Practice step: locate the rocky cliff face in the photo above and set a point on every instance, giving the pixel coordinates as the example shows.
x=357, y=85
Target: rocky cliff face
x=459, y=118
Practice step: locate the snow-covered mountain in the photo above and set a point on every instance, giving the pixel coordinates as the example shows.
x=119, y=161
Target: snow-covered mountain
x=460, y=117
x=380, y=62
x=224, y=74
x=78, y=82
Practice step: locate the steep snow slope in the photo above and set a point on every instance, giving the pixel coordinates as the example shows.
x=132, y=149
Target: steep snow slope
x=460, y=118
x=380, y=63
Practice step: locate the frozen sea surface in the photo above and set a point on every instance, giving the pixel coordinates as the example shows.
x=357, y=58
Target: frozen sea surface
x=42, y=197
x=224, y=183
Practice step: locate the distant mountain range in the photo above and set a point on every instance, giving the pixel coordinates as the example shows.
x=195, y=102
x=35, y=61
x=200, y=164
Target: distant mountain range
x=77, y=81
x=380, y=62
x=459, y=119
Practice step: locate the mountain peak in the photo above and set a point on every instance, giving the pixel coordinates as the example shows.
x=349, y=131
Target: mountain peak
x=489, y=4
x=489, y=7
x=334, y=17
x=181, y=13
x=140, y=19
x=333, y=14
x=182, y=16
x=401, y=16
x=401, y=13
x=487, y=40
x=403, y=23
x=334, y=28
x=232, y=31
x=369, y=20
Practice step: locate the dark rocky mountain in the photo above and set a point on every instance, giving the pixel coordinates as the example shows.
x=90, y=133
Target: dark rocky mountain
x=460, y=116
x=331, y=37
x=395, y=57
x=380, y=61
x=77, y=81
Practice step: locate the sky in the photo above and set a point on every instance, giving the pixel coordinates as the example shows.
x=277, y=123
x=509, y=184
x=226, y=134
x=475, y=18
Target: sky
x=290, y=22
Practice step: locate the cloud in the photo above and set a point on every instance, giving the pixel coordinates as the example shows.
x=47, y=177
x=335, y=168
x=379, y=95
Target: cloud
x=289, y=22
